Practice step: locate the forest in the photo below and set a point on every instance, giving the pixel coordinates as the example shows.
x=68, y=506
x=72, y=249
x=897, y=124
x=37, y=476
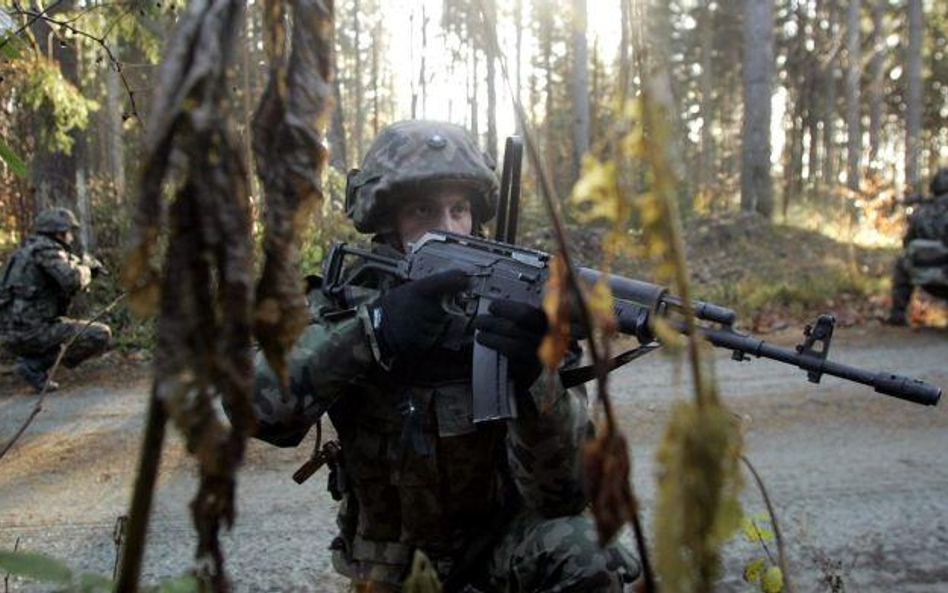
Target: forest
x=758, y=154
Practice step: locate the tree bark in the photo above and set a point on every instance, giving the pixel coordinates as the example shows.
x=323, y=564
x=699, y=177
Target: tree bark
x=359, y=108
x=853, y=75
x=53, y=172
x=580, y=88
x=756, y=190
x=877, y=78
x=913, y=96
x=491, y=7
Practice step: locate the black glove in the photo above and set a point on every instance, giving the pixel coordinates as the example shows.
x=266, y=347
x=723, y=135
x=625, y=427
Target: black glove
x=514, y=330
x=410, y=318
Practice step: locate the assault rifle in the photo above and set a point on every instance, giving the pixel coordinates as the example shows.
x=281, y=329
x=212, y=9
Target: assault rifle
x=500, y=271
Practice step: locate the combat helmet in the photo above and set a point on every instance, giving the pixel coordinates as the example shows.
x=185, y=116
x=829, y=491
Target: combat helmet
x=939, y=183
x=55, y=220
x=411, y=154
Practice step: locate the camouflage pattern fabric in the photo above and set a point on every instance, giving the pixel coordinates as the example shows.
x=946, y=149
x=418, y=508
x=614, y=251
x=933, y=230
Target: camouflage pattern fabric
x=928, y=223
x=42, y=343
x=36, y=287
x=408, y=154
x=419, y=474
x=558, y=555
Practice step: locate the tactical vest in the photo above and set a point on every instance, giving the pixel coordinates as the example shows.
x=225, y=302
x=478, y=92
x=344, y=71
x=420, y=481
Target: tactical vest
x=418, y=472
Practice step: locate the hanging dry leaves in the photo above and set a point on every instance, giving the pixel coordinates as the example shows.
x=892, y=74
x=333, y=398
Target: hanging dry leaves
x=206, y=284
x=556, y=304
x=698, y=488
x=606, y=481
x=204, y=341
x=290, y=159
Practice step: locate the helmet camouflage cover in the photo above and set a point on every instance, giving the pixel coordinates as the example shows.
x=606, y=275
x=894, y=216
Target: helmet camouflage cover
x=55, y=220
x=409, y=155
x=939, y=183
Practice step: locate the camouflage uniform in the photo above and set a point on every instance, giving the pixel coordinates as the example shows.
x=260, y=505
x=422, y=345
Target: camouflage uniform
x=497, y=505
x=924, y=241
x=36, y=287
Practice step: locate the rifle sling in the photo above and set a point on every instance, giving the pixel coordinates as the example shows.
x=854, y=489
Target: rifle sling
x=579, y=375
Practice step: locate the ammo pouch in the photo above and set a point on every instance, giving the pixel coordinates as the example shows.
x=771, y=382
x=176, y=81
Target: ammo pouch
x=928, y=260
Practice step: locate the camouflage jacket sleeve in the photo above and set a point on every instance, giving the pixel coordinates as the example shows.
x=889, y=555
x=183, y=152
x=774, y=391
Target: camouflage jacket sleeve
x=65, y=268
x=330, y=355
x=544, y=447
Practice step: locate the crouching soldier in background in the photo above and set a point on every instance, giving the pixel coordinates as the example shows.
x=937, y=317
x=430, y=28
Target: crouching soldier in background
x=36, y=287
x=924, y=261
x=496, y=506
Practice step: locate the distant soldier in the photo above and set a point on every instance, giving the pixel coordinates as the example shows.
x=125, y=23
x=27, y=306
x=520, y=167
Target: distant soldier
x=36, y=286
x=924, y=262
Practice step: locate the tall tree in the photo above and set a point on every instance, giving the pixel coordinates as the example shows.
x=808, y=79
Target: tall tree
x=491, y=58
x=853, y=105
x=756, y=190
x=580, y=87
x=913, y=93
x=876, y=78
x=53, y=168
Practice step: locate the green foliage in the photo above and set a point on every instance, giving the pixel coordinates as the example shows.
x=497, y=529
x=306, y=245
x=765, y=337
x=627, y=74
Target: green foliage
x=761, y=571
x=46, y=90
x=12, y=160
x=698, y=486
x=35, y=567
x=44, y=569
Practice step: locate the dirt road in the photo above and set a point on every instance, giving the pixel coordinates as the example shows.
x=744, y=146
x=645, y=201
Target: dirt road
x=859, y=480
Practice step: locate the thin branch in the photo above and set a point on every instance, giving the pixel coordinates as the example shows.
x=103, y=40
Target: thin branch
x=781, y=553
x=29, y=23
x=38, y=407
x=115, y=63
x=600, y=362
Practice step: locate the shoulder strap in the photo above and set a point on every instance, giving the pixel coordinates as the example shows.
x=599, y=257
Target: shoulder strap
x=579, y=375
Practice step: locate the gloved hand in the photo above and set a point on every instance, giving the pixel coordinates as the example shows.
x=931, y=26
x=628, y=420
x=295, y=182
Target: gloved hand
x=95, y=265
x=410, y=318
x=514, y=330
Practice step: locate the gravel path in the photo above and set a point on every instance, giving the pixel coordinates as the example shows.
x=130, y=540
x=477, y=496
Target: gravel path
x=860, y=480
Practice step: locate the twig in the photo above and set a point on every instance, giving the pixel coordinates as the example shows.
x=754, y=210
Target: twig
x=35, y=17
x=38, y=407
x=6, y=578
x=116, y=65
x=600, y=363
x=137, y=526
x=118, y=537
x=781, y=554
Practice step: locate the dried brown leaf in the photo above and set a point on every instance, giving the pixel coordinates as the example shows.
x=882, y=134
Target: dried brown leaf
x=556, y=304
x=290, y=159
x=606, y=473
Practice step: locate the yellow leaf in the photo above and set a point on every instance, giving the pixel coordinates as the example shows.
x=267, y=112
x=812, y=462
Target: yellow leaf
x=754, y=531
x=772, y=581
x=556, y=305
x=754, y=570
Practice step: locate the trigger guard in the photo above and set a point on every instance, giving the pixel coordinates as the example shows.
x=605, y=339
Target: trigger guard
x=449, y=303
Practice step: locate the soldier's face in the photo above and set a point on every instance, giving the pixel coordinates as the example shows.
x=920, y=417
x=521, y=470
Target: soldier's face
x=443, y=210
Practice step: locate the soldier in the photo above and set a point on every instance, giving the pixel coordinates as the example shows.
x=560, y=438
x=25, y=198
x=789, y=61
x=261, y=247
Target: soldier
x=925, y=259
x=36, y=287
x=496, y=506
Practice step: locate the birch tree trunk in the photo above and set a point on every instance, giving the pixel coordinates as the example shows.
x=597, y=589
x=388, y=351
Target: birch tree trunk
x=756, y=190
